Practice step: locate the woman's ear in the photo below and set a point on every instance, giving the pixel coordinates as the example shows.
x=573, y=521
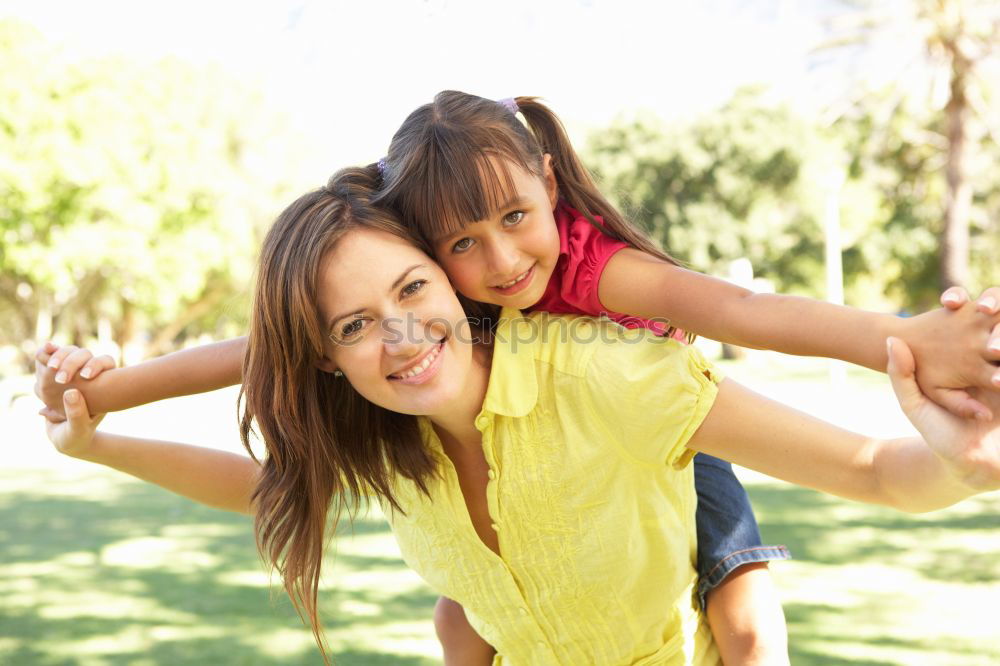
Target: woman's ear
x=326, y=365
x=549, y=176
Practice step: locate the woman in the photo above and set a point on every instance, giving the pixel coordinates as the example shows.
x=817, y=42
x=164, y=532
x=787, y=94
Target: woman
x=536, y=472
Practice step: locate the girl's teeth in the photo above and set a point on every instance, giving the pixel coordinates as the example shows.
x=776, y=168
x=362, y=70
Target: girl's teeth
x=515, y=280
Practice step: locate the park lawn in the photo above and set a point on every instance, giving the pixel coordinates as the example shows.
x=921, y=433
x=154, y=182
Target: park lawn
x=98, y=569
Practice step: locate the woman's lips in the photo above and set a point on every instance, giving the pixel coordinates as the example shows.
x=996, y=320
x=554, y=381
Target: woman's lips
x=424, y=370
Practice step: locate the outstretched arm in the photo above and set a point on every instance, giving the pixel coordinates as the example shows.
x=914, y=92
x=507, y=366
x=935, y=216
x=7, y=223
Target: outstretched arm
x=195, y=370
x=954, y=349
x=217, y=478
x=957, y=457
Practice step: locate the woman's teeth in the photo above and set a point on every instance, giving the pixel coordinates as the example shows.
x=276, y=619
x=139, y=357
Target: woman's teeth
x=423, y=365
x=520, y=277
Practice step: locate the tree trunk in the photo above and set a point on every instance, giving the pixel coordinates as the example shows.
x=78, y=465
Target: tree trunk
x=161, y=342
x=126, y=330
x=958, y=202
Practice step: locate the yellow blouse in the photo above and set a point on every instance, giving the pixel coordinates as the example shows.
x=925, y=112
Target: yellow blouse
x=584, y=429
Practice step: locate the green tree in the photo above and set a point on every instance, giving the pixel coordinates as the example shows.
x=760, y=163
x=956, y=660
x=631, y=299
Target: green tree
x=130, y=192
x=899, y=159
x=728, y=185
x=944, y=47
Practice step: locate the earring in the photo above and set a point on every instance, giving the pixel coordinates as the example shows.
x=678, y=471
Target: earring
x=338, y=373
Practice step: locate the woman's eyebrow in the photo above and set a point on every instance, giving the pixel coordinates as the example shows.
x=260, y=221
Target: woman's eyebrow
x=399, y=281
x=402, y=277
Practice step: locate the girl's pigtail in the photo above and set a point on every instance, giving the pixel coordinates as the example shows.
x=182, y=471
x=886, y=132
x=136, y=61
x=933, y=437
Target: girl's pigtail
x=576, y=184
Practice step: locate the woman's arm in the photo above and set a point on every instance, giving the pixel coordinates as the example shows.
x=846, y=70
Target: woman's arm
x=954, y=350
x=185, y=372
x=956, y=459
x=217, y=478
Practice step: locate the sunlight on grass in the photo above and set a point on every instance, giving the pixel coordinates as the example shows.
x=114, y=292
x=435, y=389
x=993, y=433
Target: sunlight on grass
x=97, y=569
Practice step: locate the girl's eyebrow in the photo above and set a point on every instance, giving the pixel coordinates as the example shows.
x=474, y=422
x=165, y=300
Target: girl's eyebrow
x=399, y=281
x=517, y=201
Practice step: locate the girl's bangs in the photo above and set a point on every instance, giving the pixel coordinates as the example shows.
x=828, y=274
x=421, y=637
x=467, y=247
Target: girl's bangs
x=462, y=187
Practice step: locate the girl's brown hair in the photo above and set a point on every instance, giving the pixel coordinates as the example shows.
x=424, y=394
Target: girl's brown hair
x=326, y=446
x=442, y=171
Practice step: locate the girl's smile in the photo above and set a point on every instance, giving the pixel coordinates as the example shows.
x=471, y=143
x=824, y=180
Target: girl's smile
x=507, y=258
x=519, y=283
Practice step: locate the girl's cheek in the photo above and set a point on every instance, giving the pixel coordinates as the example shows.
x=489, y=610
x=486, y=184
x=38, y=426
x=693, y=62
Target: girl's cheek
x=463, y=275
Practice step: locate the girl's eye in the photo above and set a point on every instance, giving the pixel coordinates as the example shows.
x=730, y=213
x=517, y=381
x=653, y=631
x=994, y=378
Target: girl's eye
x=513, y=218
x=413, y=287
x=462, y=245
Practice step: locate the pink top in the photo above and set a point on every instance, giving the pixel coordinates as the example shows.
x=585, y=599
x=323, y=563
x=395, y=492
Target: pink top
x=584, y=251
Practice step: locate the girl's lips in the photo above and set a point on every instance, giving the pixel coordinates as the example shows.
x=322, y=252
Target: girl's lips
x=429, y=372
x=520, y=285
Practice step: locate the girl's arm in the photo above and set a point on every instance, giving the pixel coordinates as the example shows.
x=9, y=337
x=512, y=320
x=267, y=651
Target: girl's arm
x=217, y=478
x=194, y=370
x=954, y=350
x=957, y=457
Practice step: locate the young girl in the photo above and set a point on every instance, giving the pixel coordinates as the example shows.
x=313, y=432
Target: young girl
x=566, y=548
x=515, y=220
x=501, y=204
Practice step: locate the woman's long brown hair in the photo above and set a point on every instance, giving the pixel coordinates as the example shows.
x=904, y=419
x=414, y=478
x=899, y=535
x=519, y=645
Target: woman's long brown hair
x=441, y=171
x=326, y=446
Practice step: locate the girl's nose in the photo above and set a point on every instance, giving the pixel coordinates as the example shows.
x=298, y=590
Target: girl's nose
x=502, y=258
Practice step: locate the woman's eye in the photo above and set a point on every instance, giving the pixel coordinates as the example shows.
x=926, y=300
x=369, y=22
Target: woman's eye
x=413, y=287
x=513, y=218
x=462, y=245
x=351, y=327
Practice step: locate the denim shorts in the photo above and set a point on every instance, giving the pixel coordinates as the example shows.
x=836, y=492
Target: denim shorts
x=728, y=536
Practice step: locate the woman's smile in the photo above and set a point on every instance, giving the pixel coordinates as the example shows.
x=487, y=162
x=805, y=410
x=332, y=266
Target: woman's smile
x=423, y=369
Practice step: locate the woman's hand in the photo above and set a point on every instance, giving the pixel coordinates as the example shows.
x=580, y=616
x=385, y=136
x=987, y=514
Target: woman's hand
x=970, y=448
x=73, y=436
x=55, y=370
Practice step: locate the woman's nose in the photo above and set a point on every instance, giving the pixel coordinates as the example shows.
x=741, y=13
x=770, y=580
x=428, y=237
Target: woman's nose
x=401, y=335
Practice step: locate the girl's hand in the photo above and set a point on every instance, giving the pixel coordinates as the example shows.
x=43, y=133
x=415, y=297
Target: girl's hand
x=73, y=436
x=56, y=368
x=957, y=350
x=988, y=302
x=970, y=448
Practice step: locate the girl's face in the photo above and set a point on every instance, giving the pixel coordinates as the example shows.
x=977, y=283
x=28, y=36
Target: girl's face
x=396, y=329
x=508, y=258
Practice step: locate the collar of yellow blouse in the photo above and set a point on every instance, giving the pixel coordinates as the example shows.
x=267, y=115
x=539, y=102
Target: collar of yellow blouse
x=513, y=388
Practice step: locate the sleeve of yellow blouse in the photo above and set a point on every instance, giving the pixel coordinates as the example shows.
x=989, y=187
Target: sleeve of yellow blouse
x=650, y=394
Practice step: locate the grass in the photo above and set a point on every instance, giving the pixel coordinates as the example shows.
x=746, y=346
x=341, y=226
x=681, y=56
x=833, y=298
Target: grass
x=97, y=569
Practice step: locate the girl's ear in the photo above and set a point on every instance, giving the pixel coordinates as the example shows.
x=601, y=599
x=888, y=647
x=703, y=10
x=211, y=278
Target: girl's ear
x=549, y=176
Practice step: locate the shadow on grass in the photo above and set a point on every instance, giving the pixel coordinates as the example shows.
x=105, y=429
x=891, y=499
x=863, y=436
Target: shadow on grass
x=827, y=530
x=940, y=546
x=62, y=589
x=53, y=559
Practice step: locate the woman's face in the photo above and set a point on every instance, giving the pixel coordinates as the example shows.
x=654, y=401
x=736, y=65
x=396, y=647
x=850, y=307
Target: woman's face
x=396, y=329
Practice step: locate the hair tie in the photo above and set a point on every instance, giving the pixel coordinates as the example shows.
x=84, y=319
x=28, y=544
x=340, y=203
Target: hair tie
x=380, y=165
x=510, y=104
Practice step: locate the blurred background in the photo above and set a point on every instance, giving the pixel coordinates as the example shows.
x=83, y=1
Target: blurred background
x=840, y=150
